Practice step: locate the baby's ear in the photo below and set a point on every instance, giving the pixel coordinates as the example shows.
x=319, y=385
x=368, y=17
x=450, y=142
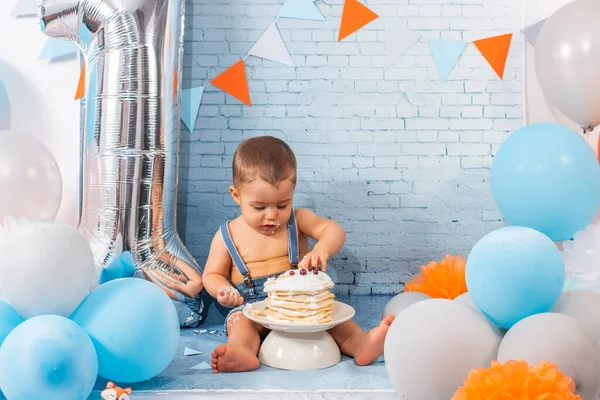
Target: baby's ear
x=235, y=194
x=110, y=385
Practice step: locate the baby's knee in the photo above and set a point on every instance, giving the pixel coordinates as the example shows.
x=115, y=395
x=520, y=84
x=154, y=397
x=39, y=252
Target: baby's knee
x=234, y=318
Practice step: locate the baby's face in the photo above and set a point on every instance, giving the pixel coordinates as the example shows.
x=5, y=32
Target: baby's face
x=266, y=207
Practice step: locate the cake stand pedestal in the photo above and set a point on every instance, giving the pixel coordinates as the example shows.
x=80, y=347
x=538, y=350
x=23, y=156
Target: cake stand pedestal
x=294, y=346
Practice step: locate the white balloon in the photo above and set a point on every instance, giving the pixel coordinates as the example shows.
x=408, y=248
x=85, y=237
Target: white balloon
x=433, y=344
x=561, y=340
x=466, y=299
x=30, y=180
x=396, y=305
x=5, y=228
x=567, y=52
x=583, y=305
x=47, y=267
x=591, y=137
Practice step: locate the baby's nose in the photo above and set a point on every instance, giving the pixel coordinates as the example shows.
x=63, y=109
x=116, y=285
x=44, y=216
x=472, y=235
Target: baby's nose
x=271, y=214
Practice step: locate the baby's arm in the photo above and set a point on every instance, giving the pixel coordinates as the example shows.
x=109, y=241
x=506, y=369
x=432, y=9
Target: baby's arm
x=216, y=272
x=329, y=235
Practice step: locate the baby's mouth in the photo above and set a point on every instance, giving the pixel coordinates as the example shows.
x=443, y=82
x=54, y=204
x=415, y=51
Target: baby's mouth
x=271, y=225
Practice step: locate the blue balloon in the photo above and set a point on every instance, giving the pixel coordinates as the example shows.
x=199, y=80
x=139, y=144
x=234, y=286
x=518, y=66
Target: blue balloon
x=9, y=320
x=114, y=270
x=134, y=326
x=546, y=177
x=122, y=267
x=48, y=357
x=128, y=264
x=514, y=272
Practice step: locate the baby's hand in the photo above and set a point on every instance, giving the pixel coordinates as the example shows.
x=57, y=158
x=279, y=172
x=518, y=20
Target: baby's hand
x=229, y=297
x=314, y=259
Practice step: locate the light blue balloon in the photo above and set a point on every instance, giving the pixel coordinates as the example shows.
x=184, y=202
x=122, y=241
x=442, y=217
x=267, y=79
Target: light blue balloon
x=9, y=320
x=121, y=267
x=48, y=357
x=128, y=264
x=546, y=177
x=114, y=270
x=514, y=272
x=134, y=326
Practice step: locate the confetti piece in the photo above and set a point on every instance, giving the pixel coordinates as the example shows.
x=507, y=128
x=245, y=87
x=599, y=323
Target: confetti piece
x=191, y=352
x=201, y=366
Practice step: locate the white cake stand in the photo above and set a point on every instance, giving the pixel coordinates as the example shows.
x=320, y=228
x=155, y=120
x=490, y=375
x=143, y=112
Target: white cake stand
x=295, y=346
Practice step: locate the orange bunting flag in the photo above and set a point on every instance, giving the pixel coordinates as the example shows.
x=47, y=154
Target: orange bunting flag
x=81, y=85
x=354, y=17
x=495, y=50
x=175, y=83
x=233, y=81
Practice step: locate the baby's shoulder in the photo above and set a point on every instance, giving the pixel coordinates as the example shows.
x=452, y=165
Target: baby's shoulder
x=232, y=229
x=304, y=214
x=229, y=226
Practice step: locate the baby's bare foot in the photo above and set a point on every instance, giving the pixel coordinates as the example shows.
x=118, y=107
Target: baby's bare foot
x=232, y=358
x=371, y=345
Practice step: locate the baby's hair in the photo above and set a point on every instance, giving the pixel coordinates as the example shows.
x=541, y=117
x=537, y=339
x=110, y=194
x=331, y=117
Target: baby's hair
x=264, y=157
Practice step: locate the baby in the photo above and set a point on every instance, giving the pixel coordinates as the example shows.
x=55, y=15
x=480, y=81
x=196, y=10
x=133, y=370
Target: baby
x=267, y=239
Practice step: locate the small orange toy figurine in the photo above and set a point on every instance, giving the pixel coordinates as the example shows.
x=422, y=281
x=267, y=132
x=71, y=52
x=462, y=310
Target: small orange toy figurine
x=113, y=392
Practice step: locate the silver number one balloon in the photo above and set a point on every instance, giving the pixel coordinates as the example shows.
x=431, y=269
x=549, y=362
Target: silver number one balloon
x=130, y=144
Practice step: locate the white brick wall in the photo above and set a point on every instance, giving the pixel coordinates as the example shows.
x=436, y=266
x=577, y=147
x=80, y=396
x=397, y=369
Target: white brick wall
x=407, y=176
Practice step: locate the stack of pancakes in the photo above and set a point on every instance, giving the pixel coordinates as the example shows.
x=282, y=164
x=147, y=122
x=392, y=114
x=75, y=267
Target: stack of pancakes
x=300, y=296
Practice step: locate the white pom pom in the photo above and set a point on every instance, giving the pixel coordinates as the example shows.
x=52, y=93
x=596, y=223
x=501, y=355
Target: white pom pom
x=582, y=258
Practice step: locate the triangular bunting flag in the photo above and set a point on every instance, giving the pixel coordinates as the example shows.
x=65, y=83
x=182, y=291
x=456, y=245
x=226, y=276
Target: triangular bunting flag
x=190, y=105
x=354, y=17
x=81, y=85
x=233, y=81
x=202, y=365
x=175, y=83
x=191, y=352
x=397, y=41
x=24, y=8
x=445, y=55
x=301, y=9
x=270, y=46
x=495, y=50
x=532, y=32
x=85, y=36
x=57, y=48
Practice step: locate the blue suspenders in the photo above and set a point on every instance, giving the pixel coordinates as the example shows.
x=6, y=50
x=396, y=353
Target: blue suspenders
x=293, y=250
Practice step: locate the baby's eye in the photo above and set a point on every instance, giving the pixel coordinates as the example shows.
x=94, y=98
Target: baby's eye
x=259, y=208
x=282, y=207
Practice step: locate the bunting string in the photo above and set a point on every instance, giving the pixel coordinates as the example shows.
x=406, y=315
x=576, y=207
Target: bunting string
x=270, y=46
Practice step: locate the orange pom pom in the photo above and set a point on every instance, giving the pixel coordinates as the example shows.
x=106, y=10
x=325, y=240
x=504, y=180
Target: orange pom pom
x=516, y=380
x=445, y=280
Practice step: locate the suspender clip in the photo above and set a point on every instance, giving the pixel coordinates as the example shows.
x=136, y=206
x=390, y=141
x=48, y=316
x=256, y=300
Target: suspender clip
x=249, y=284
x=248, y=280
